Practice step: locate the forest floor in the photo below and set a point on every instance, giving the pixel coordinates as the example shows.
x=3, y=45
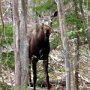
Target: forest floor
x=8, y=80
x=56, y=68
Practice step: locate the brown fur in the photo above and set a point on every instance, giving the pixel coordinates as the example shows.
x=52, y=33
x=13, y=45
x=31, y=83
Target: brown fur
x=39, y=49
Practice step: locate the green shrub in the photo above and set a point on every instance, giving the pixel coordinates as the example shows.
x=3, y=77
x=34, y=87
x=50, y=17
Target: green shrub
x=8, y=59
x=4, y=86
x=55, y=40
x=40, y=79
x=8, y=39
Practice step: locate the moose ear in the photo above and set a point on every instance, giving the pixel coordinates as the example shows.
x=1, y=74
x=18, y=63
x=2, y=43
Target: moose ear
x=54, y=14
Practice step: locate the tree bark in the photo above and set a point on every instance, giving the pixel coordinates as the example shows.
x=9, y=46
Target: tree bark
x=21, y=43
x=88, y=26
x=0, y=40
x=0, y=57
x=16, y=38
x=3, y=33
x=64, y=42
x=24, y=44
x=76, y=47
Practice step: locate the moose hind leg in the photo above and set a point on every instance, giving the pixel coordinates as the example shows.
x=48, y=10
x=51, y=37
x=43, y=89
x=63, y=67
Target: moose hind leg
x=45, y=65
x=30, y=81
x=34, y=63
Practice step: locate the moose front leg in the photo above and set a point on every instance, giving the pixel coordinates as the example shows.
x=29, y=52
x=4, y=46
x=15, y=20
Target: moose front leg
x=30, y=81
x=34, y=66
x=45, y=65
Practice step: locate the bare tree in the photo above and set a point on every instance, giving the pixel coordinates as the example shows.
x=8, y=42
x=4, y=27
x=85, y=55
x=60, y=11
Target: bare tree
x=16, y=27
x=76, y=48
x=21, y=43
x=24, y=43
x=2, y=35
x=87, y=18
x=2, y=18
x=64, y=42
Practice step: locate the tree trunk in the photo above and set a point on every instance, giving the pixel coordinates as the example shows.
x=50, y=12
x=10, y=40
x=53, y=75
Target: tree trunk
x=16, y=30
x=64, y=42
x=24, y=43
x=0, y=61
x=88, y=25
x=3, y=33
x=21, y=44
x=1, y=37
x=76, y=48
x=0, y=41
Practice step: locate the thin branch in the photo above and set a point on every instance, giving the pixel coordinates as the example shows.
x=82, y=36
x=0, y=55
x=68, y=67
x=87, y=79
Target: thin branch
x=2, y=19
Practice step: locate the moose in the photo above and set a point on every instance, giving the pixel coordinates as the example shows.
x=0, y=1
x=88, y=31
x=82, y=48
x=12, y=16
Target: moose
x=39, y=49
x=39, y=46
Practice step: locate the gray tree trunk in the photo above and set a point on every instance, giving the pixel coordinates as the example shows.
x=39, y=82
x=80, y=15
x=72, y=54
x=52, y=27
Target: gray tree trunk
x=16, y=38
x=21, y=43
x=0, y=61
x=76, y=47
x=88, y=36
x=0, y=42
x=88, y=25
x=64, y=42
x=1, y=37
x=24, y=43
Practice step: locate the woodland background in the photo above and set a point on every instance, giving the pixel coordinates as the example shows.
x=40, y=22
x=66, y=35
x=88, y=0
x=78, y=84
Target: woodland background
x=76, y=19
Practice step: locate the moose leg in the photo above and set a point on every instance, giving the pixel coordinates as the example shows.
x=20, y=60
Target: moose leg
x=45, y=65
x=34, y=63
x=30, y=81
